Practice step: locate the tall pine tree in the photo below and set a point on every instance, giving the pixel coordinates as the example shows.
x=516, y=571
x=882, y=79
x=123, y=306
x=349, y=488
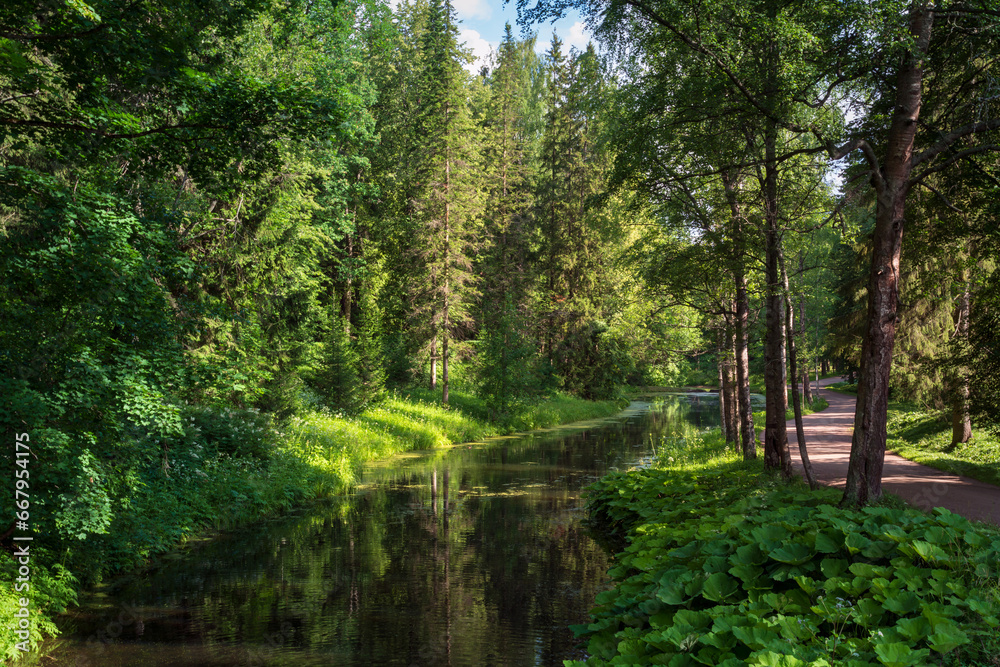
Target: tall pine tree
x=446, y=207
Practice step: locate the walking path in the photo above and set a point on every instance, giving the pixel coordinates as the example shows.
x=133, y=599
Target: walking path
x=828, y=439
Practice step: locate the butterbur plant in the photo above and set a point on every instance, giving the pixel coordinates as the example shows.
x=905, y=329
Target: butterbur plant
x=717, y=573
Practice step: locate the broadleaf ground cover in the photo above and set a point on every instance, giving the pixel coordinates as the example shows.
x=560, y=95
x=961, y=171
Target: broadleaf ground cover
x=726, y=566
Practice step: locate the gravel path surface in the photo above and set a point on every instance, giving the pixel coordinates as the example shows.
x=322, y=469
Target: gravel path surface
x=828, y=438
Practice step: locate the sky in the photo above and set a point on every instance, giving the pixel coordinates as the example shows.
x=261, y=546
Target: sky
x=481, y=24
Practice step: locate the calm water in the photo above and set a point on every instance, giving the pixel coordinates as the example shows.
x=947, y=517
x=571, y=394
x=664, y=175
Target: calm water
x=475, y=555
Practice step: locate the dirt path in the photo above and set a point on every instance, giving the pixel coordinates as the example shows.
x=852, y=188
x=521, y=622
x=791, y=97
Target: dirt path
x=828, y=438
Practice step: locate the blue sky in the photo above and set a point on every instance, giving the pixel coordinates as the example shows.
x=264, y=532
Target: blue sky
x=482, y=21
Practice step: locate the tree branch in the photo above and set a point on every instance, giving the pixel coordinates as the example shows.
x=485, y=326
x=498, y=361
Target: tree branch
x=101, y=133
x=939, y=194
x=947, y=140
x=950, y=161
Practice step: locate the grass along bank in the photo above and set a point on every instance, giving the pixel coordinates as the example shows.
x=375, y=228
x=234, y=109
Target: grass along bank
x=726, y=565
x=233, y=467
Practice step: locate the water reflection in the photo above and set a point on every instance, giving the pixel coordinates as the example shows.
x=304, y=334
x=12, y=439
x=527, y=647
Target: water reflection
x=471, y=556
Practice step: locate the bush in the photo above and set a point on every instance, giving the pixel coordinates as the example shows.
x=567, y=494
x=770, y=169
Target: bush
x=723, y=569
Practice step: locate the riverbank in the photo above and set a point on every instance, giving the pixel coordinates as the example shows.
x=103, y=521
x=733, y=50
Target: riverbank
x=727, y=565
x=233, y=468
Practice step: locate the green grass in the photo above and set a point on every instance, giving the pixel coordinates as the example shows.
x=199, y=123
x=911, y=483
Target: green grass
x=727, y=565
x=542, y=413
x=925, y=437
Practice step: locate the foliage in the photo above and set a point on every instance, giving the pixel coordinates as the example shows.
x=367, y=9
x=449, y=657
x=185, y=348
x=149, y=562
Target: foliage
x=594, y=361
x=724, y=567
x=558, y=408
x=52, y=589
x=505, y=361
x=337, y=380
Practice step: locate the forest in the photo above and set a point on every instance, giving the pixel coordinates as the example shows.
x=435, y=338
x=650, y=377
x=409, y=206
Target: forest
x=248, y=246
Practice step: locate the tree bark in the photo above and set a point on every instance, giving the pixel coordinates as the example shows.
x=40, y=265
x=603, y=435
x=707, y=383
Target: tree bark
x=792, y=373
x=445, y=323
x=721, y=366
x=776, y=453
x=961, y=422
x=434, y=361
x=729, y=385
x=748, y=440
x=807, y=395
x=864, y=472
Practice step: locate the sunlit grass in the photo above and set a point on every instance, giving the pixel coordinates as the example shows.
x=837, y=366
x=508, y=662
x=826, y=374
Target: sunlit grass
x=925, y=437
x=338, y=445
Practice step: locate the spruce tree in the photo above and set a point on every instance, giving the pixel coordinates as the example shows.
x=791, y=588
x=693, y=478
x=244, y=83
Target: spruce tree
x=447, y=207
x=507, y=170
x=571, y=300
x=368, y=350
x=337, y=380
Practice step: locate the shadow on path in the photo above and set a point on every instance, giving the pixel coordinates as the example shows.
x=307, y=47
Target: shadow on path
x=828, y=439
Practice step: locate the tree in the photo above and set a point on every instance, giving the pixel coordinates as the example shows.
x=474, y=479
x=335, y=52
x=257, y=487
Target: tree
x=447, y=206
x=856, y=47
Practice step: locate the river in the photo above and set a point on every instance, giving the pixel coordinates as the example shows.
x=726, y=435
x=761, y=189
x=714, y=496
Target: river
x=471, y=555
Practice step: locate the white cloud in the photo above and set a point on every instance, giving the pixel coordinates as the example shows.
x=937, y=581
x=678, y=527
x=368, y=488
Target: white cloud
x=472, y=9
x=578, y=36
x=479, y=46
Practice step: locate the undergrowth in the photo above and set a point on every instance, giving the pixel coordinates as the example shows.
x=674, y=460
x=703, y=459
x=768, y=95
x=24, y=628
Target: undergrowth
x=726, y=565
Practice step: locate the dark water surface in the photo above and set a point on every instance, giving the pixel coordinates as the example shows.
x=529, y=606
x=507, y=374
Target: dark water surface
x=474, y=555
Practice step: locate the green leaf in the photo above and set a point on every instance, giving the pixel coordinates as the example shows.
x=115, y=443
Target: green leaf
x=914, y=629
x=898, y=654
x=930, y=552
x=947, y=637
x=792, y=554
x=855, y=542
x=772, y=659
x=833, y=567
x=901, y=602
x=719, y=587
x=829, y=541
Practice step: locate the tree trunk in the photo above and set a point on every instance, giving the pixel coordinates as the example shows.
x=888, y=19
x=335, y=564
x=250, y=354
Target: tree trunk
x=721, y=367
x=445, y=324
x=729, y=386
x=864, y=472
x=345, y=299
x=748, y=438
x=792, y=373
x=776, y=453
x=961, y=423
x=807, y=395
x=434, y=361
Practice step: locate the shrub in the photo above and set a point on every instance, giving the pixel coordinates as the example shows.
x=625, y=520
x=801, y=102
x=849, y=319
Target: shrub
x=721, y=571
